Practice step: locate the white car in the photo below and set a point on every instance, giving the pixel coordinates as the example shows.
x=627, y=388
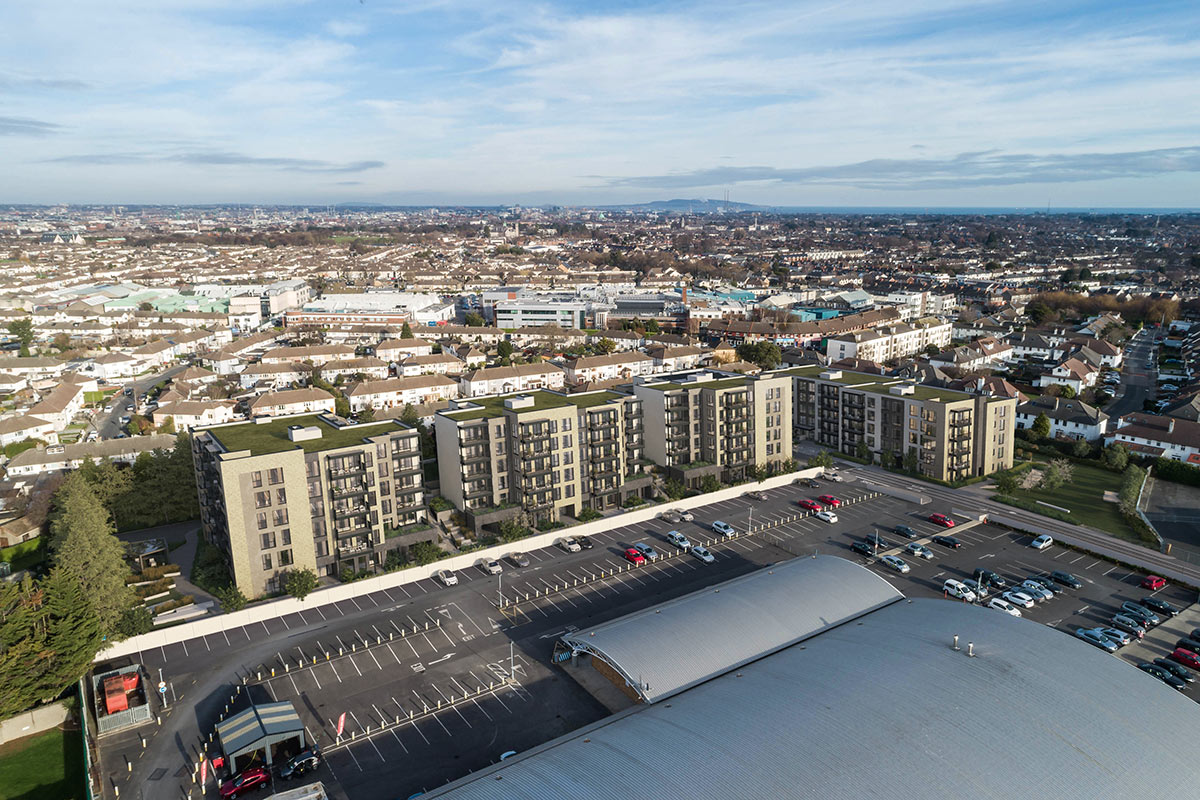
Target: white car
x=723, y=528
x=828, y=516
x=702, y=554
x=1004, y=605
x=1018, y=599
x=833, y=476
x=896, y=563
x=491, y=567
x=919, y=550
x=570, y=545
x=447, y=577
x=1042, y=542
x=678, y=539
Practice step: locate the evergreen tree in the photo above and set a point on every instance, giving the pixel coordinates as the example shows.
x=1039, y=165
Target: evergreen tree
x=409, y=415
x=83, y=547
x=72, y=630
x=406, y=332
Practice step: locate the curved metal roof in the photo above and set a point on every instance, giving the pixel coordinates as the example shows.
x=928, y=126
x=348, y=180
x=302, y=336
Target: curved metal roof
x=884, y=706
x=665, y=649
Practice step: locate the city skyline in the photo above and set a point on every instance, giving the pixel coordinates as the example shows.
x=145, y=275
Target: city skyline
x=939, y=104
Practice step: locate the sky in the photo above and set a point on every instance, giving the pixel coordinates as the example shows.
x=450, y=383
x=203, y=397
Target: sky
x=440, y=102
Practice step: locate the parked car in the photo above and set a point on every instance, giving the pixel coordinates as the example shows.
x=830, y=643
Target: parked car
x=702, y=554
x=1094, y=637
x=1003, y=605
x=956, y=588
x=809, y=505
x=646, y=550
x=723, y=528
x=633, y=556
x=301, y=764
x=756, y=494
x=1159, y=606
x=1042, y=542
x=919, y=550
x=247, y=780
x=978, y=588
x=896, y=563
x=1066, y=579
x=1163, y=675
x=1036, y=591
x=1018, y=599
x=830, y=500
x=941, y=519
x=1186, y=657
x=569, y=544
x=1188, y=644
x=447, y=577
x=827, y=516
x=862, y=547
x=833, y=476
x=947, y=541
x=1131, y=625
x=1153, y=583
x=518, y=559
x=686, y=515
x=1183, y=673
x=879, y=542
x=584, y=542
x=1047, y=583
x=671, y=515
x=990, y=578
x=906, y=531
x=678, y=539
x=1138, y=611
x=1120, y=637
x=491, y=566
x=809, y=482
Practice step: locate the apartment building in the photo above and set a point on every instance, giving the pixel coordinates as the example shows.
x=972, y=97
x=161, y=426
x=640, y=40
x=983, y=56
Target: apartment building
x=955, y=435
x=890, y=342
x=706, y=422
x=541, y=453
x=549, y=311
x=308, y=492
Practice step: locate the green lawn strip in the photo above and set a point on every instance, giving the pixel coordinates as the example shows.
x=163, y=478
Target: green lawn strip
x=46, y=765
x=1084, y=496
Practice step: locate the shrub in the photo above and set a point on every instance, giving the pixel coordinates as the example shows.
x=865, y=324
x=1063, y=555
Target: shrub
x=588, y=514
x=633, y=501
x=134, y=621
x=231, y=598
x=439, y=504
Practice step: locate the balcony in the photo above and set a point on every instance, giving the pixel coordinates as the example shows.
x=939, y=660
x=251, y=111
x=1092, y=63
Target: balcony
x=350, y=511
x=530, y=468
x=601, y=421
x=346, y=472
x=357, y=531
x=353, y=548
x=479, y=490
x=348, y=491
x=406, y=466
x=534, y=435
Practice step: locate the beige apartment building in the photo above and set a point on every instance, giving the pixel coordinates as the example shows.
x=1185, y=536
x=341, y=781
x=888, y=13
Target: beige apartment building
x=706, y=422
x=308, y=491
x=542, y=454
x=955, y=435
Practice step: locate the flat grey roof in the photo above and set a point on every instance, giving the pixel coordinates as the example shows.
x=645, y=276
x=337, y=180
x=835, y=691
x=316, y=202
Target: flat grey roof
x=667, y=648
x=884, y=705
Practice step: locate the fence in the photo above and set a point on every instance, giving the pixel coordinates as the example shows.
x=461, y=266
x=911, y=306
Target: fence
x=260, y=612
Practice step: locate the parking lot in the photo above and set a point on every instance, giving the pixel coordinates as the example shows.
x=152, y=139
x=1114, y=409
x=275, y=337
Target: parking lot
x=392, y=666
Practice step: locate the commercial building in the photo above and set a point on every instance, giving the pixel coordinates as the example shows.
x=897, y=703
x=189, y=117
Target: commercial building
x=549, y=311
x=953, y=435
x=308, y=492
x=379, y=309
x=542, y=453
x=708, y=423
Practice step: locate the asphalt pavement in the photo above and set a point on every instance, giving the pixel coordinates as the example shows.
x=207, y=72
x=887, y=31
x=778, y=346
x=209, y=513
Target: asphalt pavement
x=1138, y=382
x=108, y=420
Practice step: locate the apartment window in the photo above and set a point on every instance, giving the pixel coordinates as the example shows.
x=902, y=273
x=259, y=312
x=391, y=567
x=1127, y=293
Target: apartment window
x=566, y=441
x=256, y=479
x=557, y=493
x=381, y=450
x=387, y=506
x=500, y=447
x=281, y=517
x=384, y=487
x=566, y=424
x=912, y=438
x=268, y=540
x=266, y=561
x=262, y=499
x=262, y=520
x=912, y=411
x=570, y=490
x=275, y=476
x=569, y=474
x=286, y=535
x=383, y=468
x=503, y=482
x=770, y=449
x=280, y=496
x=285, y=558
x=316, y=508
x=912, y=424
x=568, y=457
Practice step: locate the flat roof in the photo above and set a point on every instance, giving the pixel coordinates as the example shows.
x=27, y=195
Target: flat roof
x=272, y=437
x=542, y=400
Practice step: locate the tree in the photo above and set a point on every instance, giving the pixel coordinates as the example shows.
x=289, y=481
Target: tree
x=1068, y=392
x=709, y=483
x=23, y=330
x=504, y=349
x=861, y=450
x=134, y=622
x=675, y=489
x=366, y=415
x=821, y=459
x=231, y=598
x=1057, y=472
x=887, y=459
x=1006, y=483
x=145, y=307
x=932, y=350
x=83, y=548
x=1116, y=456
x=1081, y=448
x=763, y=354
x=406, y=332
x=62, y=341
x=168, y=426
x=1040, y=428
x=911, y=462
x=424, y=553
x=409, y=415
x=511, y=530
x=341, y=406
x=473, y=320
x=300, y=583
x=605, y=346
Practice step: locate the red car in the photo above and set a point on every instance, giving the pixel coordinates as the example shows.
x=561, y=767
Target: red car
x=942, y=519
x=633, y=556
x=1185, y=657
x=830, y=500
x=253, y=778
x=1153, y=582
x=809, y=505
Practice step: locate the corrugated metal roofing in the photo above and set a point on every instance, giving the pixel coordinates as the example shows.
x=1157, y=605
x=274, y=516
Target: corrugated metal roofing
x=667, y=648
x=884, y=707
x=245, y=728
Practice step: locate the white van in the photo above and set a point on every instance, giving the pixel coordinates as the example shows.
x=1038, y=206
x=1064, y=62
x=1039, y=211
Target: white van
x=958, y=589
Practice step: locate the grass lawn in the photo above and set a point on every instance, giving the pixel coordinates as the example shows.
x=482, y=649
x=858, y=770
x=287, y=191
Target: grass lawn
x=1084, y=495
x=47, y=765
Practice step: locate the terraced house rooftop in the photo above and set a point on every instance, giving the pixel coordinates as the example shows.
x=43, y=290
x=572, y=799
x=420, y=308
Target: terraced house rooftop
x=272, y=437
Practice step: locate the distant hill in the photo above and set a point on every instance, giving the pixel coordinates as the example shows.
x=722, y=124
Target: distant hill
x=694, y=206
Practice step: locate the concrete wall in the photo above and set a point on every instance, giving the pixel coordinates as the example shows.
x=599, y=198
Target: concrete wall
x=27, y=723
x=334, y=594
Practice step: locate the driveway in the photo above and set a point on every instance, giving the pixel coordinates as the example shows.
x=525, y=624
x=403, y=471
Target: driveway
x=1137, y=381
x=108, y=419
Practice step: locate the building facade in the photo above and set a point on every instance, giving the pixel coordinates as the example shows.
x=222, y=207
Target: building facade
x=307, y=492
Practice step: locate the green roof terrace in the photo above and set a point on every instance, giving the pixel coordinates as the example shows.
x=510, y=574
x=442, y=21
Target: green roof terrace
x=272, y=437
x=542, y=400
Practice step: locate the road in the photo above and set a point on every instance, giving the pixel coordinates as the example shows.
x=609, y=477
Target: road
x=108, y=420
x=1137, y=381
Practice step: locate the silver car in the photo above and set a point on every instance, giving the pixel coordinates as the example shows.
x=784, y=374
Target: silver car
x=1036, y=591
x=1120, y=637
x=919, y=550
x=896, y=563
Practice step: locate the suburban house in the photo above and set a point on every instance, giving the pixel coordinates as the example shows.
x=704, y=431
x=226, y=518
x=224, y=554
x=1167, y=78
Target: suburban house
x=351, y=367
x=1166, y=437
x=61, y=405
x=517, y=378
x=314, y=354
x=24, y=426
x=418, y=390
x=615, y=366
x=292, y=401
x=1073, y=373
x=33, y=366
x=57, y=458
x=677, y=358
x=435, y=364
x=114, y=365
x=397, y=349
x=1036, y=346
x=1069, y=419
x=275, y=376
x=189, y=414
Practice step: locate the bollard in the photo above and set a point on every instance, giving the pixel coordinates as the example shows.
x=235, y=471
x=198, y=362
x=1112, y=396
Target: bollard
x=272, y=672
x=439, y=703
x=116, y=790
x=410, y=715
x=287, y=668
x=258, y=675
x=353, y=646
x=143, y=738
x=391, y=635
x=129, y=764
x=397, y=719
x=955, y=645
x=326, y=655
x=353, y=734
x=971, y=649
x=378, y=640
x=314, y=661
x=426, y=625
x=340, y=651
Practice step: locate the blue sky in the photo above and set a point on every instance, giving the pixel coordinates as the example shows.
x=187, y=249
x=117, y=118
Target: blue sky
x=868, y=102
